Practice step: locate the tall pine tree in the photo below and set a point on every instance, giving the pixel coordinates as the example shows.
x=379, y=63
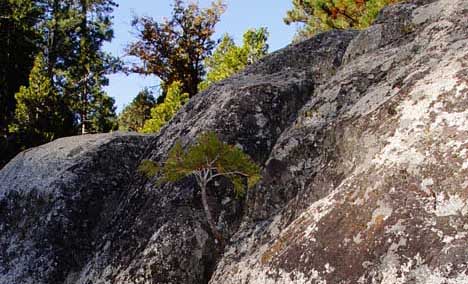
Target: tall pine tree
x=19, y=40
x=85, y=79
x=69, y=36
x=74, y=32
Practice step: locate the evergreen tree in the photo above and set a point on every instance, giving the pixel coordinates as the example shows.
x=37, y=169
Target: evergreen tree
x=60, y=32
x=69, y=36
x=134, y=115
x=73, y=35
x=41, y=114
x=175, y=48
x=228, y=59
x=163, y=112
x=206, y=160
x=86, y=77
x=19, y=39
x=322, y=15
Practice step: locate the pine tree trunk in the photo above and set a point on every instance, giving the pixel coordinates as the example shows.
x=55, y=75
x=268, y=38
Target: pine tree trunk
x=84, y=61
x=209, y=218
x=52, y=41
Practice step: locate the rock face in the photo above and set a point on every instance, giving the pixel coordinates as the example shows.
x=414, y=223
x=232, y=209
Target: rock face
x=56, y=200
x=162, y=235
x=363, y=138
x=373, y=182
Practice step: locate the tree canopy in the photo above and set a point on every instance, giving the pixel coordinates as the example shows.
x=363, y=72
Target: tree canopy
x=163, y=112
x=52, y=62
x=19, y=41
x=228, y=58
x=41, y=114
x=134, y=115
x=174, y=49
x=85, y=78
x=321, y=15
x=212, y=157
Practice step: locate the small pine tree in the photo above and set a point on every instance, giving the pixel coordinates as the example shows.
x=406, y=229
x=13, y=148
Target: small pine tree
x=41, y=115
x=206, y=160
x=163, y=112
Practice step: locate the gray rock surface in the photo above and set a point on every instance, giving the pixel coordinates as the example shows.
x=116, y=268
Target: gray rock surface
x=162, y=235
x=55, y=201
x=363, y=139
x=370, y=183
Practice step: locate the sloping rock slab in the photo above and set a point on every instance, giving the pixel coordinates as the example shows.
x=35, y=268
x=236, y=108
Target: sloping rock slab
x=55, y=201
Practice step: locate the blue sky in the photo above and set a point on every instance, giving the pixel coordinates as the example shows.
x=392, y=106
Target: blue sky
x=239, y=16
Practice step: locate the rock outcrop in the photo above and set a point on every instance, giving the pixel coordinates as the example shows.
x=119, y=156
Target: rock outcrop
x=363, y=138
x=56, y=200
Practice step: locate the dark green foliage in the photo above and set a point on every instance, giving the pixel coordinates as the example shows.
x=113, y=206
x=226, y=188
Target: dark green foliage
x=134, y=115
x=228, y=59
x=18, y=46
x=321, y=15
x=175, y=48
x=19, y=40
x=101, y=115
x=73, y=33
x=69, y=35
